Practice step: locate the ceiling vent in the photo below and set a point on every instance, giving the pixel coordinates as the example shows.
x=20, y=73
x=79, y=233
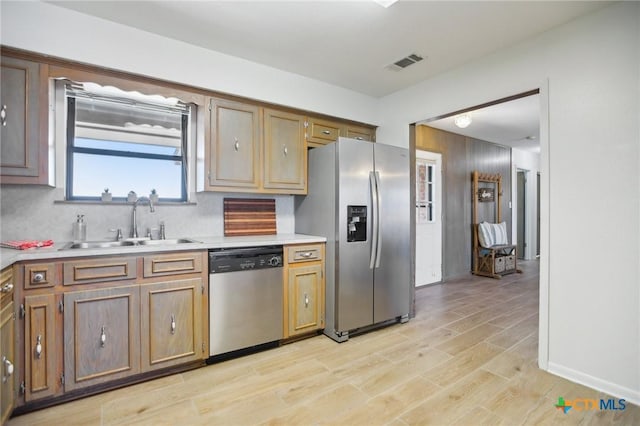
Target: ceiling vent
x=405, y=62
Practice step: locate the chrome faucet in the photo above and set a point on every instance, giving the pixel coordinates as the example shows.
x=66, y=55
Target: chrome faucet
x=134, y=216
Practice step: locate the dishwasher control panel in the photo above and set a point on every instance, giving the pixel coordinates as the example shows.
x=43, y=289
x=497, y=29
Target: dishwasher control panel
x=243, y=259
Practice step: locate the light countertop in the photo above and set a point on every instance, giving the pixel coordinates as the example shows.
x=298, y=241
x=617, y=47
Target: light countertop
x=10, y=256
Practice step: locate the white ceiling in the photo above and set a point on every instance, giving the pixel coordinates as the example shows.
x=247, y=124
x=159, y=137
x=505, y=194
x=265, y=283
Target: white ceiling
x=346, y=43
x=515, y=123
x=351, y=43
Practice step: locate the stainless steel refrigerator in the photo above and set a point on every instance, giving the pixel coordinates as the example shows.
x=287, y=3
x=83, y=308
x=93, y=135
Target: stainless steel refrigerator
x=358, y=198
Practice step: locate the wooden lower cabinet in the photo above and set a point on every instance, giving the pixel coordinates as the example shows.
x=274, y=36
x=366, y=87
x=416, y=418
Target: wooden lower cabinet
x=101, y=335
x=41, y=348
x=79, y=334
x=304, y=289
x=171, y=323
x=7, y=357
x=305, y=299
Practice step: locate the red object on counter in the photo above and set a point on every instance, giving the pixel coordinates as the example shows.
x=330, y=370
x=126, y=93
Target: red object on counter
x=26, y=244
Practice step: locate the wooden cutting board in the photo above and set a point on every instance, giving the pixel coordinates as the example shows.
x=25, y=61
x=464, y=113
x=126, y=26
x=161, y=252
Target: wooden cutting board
x=249, y=216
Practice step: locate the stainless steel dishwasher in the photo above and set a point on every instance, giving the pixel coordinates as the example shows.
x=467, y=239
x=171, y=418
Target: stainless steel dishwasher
x=245, y=298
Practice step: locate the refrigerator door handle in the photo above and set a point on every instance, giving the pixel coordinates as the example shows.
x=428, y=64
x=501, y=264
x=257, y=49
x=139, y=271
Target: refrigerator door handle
x=374, y=221
x=378, y=203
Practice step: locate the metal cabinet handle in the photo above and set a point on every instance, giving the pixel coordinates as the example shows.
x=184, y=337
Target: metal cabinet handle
x=285, y=151
x=326, y=132
x=173, y=324
x=3, y=115
x=359, y=138
x=236, y=145
x=8, y=369
x=103, y=337
x=39, y=346
x=306, y=254
x=306, y=300
x=39, y=277
x=7, y=288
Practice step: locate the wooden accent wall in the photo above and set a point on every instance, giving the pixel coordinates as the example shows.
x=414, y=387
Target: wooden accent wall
x=462, y=155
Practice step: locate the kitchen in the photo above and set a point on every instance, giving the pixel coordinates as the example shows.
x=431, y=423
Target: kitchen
x=354, y=106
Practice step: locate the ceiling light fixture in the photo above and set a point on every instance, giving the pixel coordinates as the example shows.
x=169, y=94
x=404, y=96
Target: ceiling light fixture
x=385, y=3
x=462, y=121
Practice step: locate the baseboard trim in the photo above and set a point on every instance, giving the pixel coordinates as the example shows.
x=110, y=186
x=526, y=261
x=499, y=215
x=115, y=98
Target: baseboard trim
x=628, y=394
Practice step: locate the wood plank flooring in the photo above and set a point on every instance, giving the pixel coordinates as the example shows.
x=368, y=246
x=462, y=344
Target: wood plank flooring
x=467, y=358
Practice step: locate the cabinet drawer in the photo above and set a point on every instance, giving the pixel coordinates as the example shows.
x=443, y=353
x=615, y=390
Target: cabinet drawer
x=39, y=275
x=322, y=132
x=359, y=133
x=172, y=264
x=99, y=270
x=304, y=253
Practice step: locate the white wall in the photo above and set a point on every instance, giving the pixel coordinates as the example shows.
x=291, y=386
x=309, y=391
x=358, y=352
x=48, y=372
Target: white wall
x=529, y=161
x=588, y=73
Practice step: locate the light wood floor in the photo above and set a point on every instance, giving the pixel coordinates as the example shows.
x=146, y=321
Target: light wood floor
x=467, y=358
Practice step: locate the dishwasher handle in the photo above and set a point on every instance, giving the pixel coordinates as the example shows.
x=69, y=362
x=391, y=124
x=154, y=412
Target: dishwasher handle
x=244, y=252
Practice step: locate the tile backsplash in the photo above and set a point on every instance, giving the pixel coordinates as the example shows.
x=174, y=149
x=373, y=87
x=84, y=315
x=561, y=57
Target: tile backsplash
x=30, y=212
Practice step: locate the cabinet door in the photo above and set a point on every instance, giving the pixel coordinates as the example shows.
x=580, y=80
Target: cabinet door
x=321, y=132
x=285, y=151
x=101, y=335
x=234, y=145
x=7, y=357
x=172, y=323
x=305, y=299
x=40, y=347
x=21, y=99
x=359, y=133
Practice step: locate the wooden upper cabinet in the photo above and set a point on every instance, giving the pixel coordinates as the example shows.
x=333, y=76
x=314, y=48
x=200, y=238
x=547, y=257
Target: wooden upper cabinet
x=285, y=151
x=234, y=154
x=23, y=117
x=321, y=132
x=360, y=133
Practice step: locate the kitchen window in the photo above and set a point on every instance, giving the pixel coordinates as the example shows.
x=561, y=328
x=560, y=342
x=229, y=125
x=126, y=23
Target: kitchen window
x=119, y=142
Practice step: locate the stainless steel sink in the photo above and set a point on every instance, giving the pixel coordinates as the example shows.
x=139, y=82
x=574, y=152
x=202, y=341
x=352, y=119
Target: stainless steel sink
x=98, y=244
x=166, y=242
x=126, y=243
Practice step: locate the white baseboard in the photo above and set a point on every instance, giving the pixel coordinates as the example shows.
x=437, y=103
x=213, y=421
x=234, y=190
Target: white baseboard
x=629, y=395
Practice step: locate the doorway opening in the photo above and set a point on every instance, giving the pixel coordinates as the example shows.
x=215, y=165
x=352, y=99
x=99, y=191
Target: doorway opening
x=428, y=218
x=521, y=217
x=503, y=137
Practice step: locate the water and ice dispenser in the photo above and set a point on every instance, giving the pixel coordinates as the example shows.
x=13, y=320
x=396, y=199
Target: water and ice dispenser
x=356, y=223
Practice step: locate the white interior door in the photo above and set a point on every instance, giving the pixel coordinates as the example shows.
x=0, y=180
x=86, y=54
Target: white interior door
x=428, y=218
